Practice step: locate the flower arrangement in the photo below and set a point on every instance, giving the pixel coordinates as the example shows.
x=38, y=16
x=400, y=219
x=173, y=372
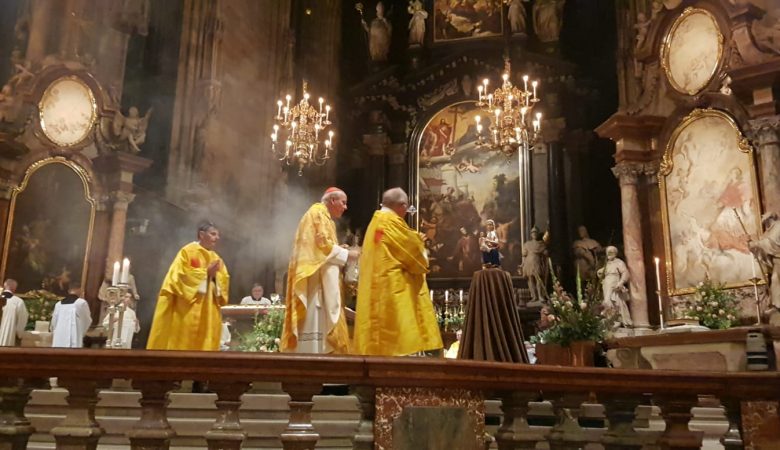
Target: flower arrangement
x=573, y=319
x=40, y=306
x=713, y=306
x=266, y=333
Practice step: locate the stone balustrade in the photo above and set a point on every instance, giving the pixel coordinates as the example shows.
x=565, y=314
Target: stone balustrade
x=451, y=383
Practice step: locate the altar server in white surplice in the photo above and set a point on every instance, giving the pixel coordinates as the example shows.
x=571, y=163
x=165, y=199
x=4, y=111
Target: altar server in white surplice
x=13, y=316
x=70, y=320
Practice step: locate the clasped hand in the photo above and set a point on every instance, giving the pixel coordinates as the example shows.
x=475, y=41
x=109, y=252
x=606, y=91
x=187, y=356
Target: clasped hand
x=214, y=268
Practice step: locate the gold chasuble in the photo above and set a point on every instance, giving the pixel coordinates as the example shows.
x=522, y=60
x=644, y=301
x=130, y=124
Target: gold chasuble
x=187, y=316
x=395, y=315
x=314, y=321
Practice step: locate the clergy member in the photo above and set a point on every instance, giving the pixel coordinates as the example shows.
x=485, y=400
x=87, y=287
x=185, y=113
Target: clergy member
x=187, y=315
x=395, y=315
x=314, y=320
x=130, y=323
x=71, y=319
x=13, y=316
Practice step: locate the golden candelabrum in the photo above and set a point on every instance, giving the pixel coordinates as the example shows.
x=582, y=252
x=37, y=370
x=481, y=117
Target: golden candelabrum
x=116, y=313
x=450, y=310
x=512, y=123
x=301, y=136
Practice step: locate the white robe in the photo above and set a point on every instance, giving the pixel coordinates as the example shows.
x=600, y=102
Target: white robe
x=14, y=319
x=323, y=288
x=130, y=326
x=69, y=324
x=248, y=300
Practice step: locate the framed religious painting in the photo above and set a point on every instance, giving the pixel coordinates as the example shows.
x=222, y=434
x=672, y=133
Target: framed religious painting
x=692, y=50
x=49, y=231
x=460, y=186
x=709, y=203
x=67, y=111
x=455, y=20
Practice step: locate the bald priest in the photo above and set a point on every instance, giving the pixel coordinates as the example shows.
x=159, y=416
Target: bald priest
x=314, y=319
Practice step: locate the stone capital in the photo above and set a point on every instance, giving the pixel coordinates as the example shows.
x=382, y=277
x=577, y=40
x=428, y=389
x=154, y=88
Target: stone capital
x=628, y=172
x=122, y=199
x=765, y=129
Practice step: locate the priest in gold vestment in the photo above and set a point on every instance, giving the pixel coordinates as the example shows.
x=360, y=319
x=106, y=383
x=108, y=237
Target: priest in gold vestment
x=395, y=316
x=187, y=315
x=314, y=319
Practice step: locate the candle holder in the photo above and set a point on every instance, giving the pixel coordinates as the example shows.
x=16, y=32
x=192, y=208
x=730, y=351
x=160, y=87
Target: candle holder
x=116, y=313
x=754, y=281
x=661, y=309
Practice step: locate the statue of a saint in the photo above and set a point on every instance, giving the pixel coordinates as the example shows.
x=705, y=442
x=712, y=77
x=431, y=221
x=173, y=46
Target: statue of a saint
x=586, y=251
x=533, y=266
x=416, y=23
x=767, y=251
x=517, y=16
x=132, y=128
x=614, y=279
x=378, y=34
x=548, y=19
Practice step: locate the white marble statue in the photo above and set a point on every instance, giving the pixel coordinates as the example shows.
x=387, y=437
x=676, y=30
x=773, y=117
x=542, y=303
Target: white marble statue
x=417, y=22
x=548, y=19
x=132, y=129
x=379, y=34
x=533, y=266
x=614, y=283
x=517, y=16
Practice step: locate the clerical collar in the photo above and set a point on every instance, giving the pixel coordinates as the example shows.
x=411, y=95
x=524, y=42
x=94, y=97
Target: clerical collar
x=70, y=298
x=7, y=294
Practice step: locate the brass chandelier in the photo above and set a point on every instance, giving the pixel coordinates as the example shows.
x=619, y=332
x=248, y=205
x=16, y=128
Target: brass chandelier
x=304, y=131
x=512, y=124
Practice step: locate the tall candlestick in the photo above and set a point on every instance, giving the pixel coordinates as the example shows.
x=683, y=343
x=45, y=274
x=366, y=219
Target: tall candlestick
x=461, y=296
x=658, y=285
x=115, y=275
x=125, y=271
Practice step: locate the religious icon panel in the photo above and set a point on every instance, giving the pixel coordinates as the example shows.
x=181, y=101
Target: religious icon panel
x=710, y=203
x=460, y=186
x=50, y=228
x=464, y=19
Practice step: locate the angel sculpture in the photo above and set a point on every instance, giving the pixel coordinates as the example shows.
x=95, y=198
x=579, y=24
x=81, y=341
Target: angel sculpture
x=132, y=128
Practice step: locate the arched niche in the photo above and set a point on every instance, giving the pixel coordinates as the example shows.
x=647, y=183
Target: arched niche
x=49, y=232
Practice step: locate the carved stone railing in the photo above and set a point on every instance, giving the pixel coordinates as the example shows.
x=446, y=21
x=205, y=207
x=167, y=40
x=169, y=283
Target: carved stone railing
x=84, y=372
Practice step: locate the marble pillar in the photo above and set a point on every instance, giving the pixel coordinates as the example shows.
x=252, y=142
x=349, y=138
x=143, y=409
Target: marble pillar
x=628, y=174
x=116, y=237
x=768, y=146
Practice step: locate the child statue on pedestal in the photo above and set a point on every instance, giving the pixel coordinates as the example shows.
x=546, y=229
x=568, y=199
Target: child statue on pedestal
x=488, y=244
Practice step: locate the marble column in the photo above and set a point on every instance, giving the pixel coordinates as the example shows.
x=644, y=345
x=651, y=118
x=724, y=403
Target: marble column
x=116, y=237
x=766, y=134
x=628, y=174
x=556, y=189
x=40, y=26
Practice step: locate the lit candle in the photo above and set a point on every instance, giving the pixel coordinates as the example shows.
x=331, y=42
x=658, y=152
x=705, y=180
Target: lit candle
x=279, y=111
x=115, y=275
x=431, y=293
x=321, y=100
x=125, y=271
x=534, y=86
x=446, y=296
x=288, y=98
x=461, y=296
x=525, y=82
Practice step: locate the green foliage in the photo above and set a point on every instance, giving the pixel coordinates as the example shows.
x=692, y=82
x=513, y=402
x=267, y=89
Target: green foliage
x=40, y=306
x=453, y=322
x=713, y=306
x=577, y=318
x=266, y=333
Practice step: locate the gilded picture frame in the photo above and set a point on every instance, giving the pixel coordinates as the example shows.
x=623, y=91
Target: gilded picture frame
x=41, y=224
x=67, y=111
x=458, y=21
x=710, y=203
x=458, y=186
x=692, y=50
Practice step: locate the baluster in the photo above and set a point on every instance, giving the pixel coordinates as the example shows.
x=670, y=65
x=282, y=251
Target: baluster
x=732, y=440
x=364, y=437
x=300, y=433
x=514, y=432
x=567, y=434
x=227, y=433
x=620, y=411
x=15, y=427
x=79, y=429
x=152, y=431
x=676, y=411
